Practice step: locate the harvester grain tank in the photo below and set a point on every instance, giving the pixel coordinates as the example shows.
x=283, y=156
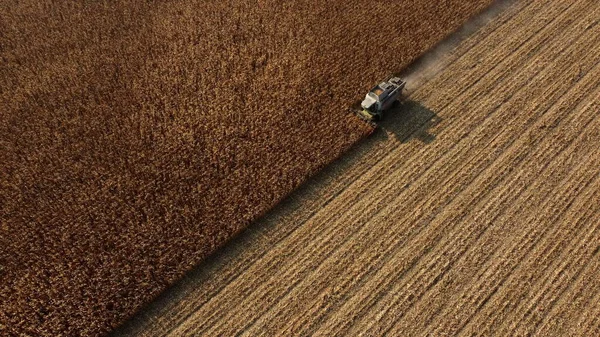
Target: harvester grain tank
x=380, y=98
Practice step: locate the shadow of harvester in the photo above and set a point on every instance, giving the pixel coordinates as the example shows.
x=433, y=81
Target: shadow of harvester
x=410, y=120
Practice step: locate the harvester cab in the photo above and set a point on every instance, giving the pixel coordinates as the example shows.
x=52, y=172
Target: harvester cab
x=380, y=98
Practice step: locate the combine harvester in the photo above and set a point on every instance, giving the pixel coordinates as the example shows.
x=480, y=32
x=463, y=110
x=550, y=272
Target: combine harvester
x=380, y=98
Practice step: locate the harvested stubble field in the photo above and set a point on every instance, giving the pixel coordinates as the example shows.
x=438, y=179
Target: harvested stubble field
x=137, y=137
x=490, y=228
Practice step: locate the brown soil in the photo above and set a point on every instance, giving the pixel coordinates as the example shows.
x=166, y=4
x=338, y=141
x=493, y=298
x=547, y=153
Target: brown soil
x=488, y=228
x=138, y=137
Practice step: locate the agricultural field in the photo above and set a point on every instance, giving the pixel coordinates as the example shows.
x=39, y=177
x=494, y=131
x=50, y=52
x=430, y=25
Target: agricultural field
x=473, y=210
x=137, y=137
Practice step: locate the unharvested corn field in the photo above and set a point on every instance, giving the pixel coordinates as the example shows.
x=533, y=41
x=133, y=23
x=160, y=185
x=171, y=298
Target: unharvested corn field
x=136, y=137
x=491, y=226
